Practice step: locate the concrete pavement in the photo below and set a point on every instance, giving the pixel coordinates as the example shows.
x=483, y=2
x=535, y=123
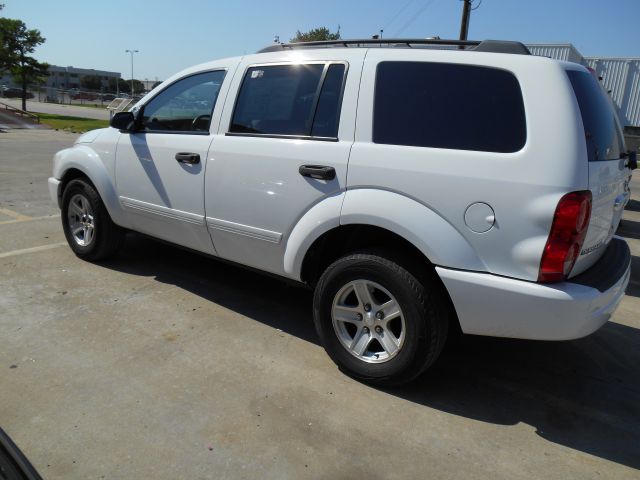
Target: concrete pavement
x=58, y=109
x=164, y=364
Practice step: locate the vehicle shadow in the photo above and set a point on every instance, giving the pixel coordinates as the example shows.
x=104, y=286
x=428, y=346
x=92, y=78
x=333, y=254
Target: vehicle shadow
x=583, y=394
x=629, y=229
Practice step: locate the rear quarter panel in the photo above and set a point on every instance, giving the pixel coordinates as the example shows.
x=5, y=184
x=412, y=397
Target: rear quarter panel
x=523, y=188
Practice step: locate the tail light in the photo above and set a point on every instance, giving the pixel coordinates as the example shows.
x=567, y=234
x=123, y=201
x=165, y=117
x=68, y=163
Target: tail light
x=569, y=228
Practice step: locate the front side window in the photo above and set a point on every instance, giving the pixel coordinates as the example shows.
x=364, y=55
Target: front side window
x=185, y=106
x=452, y=106
x=298, y=100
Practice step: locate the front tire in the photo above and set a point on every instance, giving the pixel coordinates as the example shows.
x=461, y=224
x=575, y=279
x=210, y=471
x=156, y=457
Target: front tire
x=377, y=321
x=87, y=226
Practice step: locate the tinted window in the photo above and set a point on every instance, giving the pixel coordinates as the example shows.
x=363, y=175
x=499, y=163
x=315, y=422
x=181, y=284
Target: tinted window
x=185, y=106
x=325, y=123
x=285, y=99
x=603, y=138
x=443, y=105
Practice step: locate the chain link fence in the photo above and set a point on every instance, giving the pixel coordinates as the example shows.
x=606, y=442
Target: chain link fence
x=72, y=96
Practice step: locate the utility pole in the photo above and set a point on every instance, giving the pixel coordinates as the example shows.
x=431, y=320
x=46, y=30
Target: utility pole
x=131, y=52
x=464, y=22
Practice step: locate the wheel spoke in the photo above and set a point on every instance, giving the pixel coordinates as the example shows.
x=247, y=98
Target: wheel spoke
x=75, y=208
x=343, y=313
x=85, y=205
x=360, y=342
x=391, y=310
x=388, y=342
x=77, y=230
x=362, y=292
x=88, y=234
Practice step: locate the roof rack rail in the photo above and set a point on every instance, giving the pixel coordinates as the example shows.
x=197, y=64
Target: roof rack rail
x=495, y=46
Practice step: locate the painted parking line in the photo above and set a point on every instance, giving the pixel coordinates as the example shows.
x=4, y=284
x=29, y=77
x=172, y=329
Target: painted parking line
x=24, y=251
x=28, y=219
x=15, y=215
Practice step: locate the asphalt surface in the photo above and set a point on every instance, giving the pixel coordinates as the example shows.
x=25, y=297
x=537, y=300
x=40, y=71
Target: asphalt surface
x=163, y=364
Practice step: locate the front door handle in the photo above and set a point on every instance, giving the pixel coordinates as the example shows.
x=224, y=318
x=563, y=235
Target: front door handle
x=190, y=158
x=319, y=172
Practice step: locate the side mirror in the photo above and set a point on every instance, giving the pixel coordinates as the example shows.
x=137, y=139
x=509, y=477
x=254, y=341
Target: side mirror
x=123, y=121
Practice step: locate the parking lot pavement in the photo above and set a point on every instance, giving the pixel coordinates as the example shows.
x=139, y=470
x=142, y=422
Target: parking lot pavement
x=60, y=109
x=164, y=364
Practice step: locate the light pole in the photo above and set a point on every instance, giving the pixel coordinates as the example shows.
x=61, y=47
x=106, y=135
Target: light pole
x=131, y=52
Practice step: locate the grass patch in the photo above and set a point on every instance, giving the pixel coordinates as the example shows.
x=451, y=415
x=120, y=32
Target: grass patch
x=71, y=124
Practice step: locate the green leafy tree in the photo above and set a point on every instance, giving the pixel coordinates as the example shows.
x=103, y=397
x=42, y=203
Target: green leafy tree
x=91, y=82
x=156, y=84
x=17, y=43
x=315, y=35
x=118, y=85
x=138, y=86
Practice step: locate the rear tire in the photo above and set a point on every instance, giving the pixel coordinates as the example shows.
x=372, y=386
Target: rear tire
x=367, y=338
x=89, y=230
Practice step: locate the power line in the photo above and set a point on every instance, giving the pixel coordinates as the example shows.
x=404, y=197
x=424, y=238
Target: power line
x=397, y=14
x=414, y=17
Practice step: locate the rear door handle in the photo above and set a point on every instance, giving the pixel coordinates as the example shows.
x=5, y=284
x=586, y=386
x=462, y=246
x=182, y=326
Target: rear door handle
x=319, y=172
x=190, y=158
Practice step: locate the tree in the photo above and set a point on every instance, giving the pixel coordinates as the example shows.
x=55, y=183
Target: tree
x=120, y=86
x=316, y=34
x=124, y=86
x=17, y=42
x=138, y=86
x=91, y=82
x=156, y=84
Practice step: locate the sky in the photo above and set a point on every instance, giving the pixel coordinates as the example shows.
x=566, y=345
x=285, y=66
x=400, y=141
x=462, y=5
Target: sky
x=174, y=34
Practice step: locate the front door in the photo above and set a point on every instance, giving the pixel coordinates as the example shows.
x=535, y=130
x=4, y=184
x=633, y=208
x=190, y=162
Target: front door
x=160, y=168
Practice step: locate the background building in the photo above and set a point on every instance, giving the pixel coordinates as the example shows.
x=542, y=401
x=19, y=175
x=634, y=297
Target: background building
x=71, y=77
x=67, y=77
x=620, y=77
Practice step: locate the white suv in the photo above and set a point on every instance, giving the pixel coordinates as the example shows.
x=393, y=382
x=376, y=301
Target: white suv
x=418, y=189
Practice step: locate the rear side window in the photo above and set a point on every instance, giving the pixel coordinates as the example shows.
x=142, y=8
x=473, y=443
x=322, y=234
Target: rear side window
x=442, y=105
x=300, y=100
x=604, y=141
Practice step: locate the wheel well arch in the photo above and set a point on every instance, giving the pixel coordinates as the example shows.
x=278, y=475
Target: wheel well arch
x=346, y=239
x=71, y=174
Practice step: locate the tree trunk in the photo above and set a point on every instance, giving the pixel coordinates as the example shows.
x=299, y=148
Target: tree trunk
x=24, y=81
x=24, y=92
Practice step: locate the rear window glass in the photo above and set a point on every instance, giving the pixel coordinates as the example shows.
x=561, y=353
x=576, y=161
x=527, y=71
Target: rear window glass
x=441, y=105
x=604, y=141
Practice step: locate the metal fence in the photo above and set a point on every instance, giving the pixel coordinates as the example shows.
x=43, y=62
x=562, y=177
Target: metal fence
x=73, y=96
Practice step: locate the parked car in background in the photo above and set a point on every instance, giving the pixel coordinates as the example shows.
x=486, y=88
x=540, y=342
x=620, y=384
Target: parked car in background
x=415, y=190
x=12, y=92
x=84, y=96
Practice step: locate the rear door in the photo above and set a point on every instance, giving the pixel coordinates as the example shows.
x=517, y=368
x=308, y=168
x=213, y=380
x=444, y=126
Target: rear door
x=608, y=174
x=288, y=118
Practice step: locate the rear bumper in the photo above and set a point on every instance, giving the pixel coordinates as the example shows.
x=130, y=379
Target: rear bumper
x=487, y=304
x=54, y=186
